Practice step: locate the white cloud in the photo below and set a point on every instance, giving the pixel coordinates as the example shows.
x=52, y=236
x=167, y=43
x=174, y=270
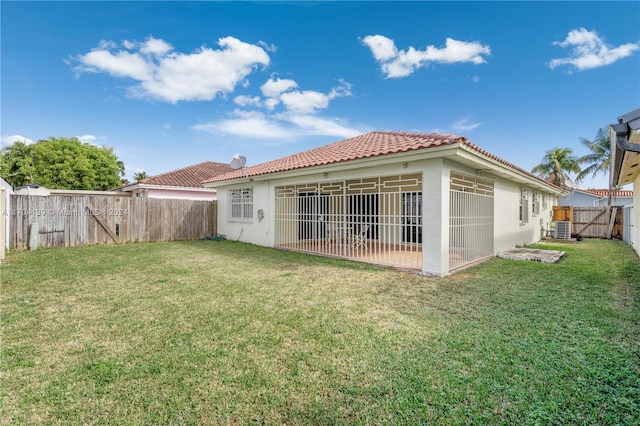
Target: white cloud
x=296, y=117
x=305, y=102
x=244, y=100
x=588, y=50
x=400, y=63
x=278, y=127
x=120, y=64
x=87, y=138
x=383, y=48
x=309, y=101
x=173, y=76
x=318, y=126
x=154, y=46
x=268, y=46
x=274, y=88
x=10, y=139
x=464, y=125
x=251, y=124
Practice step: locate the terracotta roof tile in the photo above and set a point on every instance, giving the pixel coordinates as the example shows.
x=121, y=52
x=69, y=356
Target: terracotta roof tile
x=364, y=146
x=615, y=194
x=191, y=176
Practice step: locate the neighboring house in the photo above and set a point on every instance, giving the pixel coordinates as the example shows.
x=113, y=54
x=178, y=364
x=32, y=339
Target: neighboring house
x=185, y=183
x=31, y=189
x=596, y=198
x=625, y=157
x=430, y=203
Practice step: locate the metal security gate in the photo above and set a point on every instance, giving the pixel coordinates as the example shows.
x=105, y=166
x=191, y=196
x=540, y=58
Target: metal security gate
x=375, y=220
x=470, y=220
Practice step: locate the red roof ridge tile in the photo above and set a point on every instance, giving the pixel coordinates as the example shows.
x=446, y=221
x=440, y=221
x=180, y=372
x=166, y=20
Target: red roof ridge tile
x=615, y=193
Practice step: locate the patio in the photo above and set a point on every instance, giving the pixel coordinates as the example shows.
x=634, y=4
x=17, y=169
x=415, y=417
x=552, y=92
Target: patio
x=403, y=256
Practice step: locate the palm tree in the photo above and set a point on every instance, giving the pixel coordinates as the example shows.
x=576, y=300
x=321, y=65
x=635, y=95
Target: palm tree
x=18, y=163
x=599, y=160
x=556, y=165
x=140, y=176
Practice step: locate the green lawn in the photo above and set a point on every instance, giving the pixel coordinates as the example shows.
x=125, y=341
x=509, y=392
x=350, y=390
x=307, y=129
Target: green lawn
x=210, y=332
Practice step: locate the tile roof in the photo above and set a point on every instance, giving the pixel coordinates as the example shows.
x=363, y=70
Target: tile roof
x=191, y=176
x=614, y=194
x=364, y=146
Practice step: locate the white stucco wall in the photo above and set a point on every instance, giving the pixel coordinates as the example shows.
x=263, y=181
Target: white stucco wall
x=508, y=231
x=435, y=216
x=253, y=231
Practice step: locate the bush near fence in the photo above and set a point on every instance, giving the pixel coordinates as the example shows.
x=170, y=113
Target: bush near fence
x=76, y=220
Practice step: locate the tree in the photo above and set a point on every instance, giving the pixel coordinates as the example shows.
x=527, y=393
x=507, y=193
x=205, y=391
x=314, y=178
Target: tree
x=61, y=163
x=140, y=176
x=556, y=166
x=17, y=164
x=599, y=158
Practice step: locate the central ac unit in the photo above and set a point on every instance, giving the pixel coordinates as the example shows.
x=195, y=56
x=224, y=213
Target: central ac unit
x=562, y=230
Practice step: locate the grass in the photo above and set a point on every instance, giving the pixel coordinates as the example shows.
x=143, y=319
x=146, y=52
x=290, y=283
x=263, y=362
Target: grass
x=212, y=332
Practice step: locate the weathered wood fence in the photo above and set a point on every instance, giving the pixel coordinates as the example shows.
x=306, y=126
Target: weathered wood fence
x=592, y=222
x=75, y=220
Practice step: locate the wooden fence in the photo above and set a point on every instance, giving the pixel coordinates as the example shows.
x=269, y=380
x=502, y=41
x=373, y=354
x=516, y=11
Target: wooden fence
x=3, y=221
x=75, y=220
x=592, y=222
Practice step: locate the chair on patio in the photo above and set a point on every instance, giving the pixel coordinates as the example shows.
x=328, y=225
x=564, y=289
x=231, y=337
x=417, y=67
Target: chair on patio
x=360, y=239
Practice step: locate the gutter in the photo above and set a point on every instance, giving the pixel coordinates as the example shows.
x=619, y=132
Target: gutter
x=621, y=132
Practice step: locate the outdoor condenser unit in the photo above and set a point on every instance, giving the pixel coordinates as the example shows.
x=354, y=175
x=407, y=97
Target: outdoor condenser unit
x=562, y=230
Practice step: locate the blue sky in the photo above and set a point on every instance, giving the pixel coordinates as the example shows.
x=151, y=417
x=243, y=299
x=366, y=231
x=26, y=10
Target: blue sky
x=170, y=84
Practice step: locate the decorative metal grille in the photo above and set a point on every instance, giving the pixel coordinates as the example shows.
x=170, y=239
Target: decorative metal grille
x=470, y=220
x=374, y=220
x=241, y=204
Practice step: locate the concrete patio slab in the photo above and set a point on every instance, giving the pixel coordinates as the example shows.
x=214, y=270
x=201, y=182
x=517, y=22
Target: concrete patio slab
x=533, y=255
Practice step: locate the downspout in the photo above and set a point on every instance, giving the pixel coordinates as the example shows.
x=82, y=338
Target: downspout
x=621, y=131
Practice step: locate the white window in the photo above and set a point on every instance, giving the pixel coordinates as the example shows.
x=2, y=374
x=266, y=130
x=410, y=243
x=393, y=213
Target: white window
x=241, y=204
x=524, y=206
x=535, y=207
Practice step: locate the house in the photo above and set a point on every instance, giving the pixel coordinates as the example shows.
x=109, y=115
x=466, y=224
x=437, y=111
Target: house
x=596, y=198
x=185, y=183
x=430, y=203
x=625, y=157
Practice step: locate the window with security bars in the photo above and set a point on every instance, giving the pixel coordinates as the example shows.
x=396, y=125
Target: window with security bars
x=535, y=206
x=241, y=204
x=524, y=206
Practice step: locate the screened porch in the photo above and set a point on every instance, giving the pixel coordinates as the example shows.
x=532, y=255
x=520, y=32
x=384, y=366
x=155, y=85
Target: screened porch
x=375, y=220
x=379, y=220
